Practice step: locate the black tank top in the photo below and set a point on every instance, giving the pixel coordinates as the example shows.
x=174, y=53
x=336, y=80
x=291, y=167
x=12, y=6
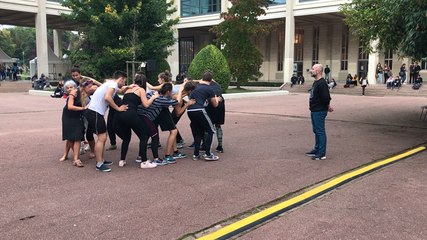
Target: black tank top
x=132, y=100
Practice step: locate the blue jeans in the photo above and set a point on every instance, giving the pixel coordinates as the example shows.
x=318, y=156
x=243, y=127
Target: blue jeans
x=318, y=124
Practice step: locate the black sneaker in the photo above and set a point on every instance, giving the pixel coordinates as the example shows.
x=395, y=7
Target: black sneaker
x=191, y=146
x=219, y=149
x=107, y=163
x=103, y=168
x=319, y=157
x=312, y=153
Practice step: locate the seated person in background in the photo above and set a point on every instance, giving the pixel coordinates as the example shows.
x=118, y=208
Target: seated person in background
x=41, y=83
x=355, y=80
x=59, y=91
x=419, y=80
x=397, y=83
x=390, y=81
x=349, y=81
x=294, y=80
x=331, y=83
x=301, y=79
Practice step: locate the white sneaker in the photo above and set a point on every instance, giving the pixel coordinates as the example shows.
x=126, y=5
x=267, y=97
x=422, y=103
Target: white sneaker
x=87, y=147
x=122, y=163
x=148, y=164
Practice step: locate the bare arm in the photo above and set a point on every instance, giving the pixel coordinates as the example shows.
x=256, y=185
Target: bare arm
x=145, y=102
x=215, y=101
x=109, y=99
x=156, y=88
x=95, y=82
x=70, y=104
x=181, y=109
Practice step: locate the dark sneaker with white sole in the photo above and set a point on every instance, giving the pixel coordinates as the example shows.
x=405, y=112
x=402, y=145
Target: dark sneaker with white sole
x=319, y=157
x=107, y=163
x=312, y=153
x=210, y=157
x=103, y=168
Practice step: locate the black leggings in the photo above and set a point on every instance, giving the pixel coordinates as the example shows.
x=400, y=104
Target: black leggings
x=124, y=123
x=154, y=134
x=201, y=123
x=176, y=120
x=110, y=126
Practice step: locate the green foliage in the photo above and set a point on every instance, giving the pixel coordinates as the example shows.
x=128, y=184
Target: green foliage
x=211, y=58
x=139, y=30
x=161, y=66
x=20, y=42
x=400, y=25
x=236, y=35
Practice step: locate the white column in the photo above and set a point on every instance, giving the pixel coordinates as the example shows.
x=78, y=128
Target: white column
x=57, y=43
x=288, y=61
x=41, y=39
x=374, y=59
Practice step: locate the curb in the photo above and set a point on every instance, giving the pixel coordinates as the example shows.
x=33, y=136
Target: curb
x=39, y=92
x=226, y=95
x=254, y=94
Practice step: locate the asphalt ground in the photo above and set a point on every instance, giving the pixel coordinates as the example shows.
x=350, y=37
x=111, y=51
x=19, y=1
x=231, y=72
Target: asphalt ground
x=265, y=138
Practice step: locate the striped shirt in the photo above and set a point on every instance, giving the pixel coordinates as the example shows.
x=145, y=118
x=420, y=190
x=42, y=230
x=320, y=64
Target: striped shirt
x=153, y=111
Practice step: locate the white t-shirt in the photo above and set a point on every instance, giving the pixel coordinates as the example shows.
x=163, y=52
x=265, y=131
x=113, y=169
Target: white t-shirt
x=97, y=102
x=175, y=89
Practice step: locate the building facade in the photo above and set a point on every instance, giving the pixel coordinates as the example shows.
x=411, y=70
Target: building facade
x=310, y=31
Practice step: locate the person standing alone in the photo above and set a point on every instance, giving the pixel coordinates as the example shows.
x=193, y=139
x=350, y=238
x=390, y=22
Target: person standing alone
x=319, y=108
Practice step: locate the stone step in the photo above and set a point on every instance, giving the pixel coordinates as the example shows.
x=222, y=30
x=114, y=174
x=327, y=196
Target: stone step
x=372, y=90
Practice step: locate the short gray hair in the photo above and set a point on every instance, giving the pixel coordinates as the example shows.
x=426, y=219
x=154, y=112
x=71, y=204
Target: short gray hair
x=70, y=83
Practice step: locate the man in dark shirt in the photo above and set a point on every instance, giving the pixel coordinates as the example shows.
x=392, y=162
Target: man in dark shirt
x=200, y=121
x=327, y=71
x=319, y=107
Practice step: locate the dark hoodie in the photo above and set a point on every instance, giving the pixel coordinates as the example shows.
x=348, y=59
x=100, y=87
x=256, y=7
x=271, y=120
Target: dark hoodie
x=319, y=96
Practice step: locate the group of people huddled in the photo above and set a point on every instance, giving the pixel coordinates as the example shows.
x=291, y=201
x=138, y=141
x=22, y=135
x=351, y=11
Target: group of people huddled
x=141, y=109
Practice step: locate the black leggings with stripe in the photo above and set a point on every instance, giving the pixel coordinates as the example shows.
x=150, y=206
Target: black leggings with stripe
x=201, y=123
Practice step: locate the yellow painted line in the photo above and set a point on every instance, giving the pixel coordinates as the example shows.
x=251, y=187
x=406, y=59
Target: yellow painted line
x=304, y=196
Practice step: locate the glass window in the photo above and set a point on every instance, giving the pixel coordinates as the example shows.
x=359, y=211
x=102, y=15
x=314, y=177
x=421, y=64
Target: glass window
x=298, y=45
x=280, y=48
x=186, y=53
x=278, y=2
x=344, y=49
x=423, y=64
x=58, y=1
x=315, y=54
x=199, y=7
x=388, y=59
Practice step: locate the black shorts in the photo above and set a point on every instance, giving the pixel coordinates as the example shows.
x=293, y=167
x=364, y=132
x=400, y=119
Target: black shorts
x=165, y=120
x=96, y=122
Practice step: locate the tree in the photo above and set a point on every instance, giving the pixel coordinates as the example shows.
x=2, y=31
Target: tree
x=399, y=25
x=115, y=31
x=211, y=58
x=236, y=36
x=20, y=42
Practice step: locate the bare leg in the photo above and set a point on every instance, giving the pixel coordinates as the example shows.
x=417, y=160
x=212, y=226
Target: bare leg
x=68, y=145
x=99, y=147
x=92, y=149
x=76, y=149
x=76, y=152
x=171, y=141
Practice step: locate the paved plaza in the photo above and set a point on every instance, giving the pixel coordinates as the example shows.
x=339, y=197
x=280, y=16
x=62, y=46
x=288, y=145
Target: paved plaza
x=265, y=138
